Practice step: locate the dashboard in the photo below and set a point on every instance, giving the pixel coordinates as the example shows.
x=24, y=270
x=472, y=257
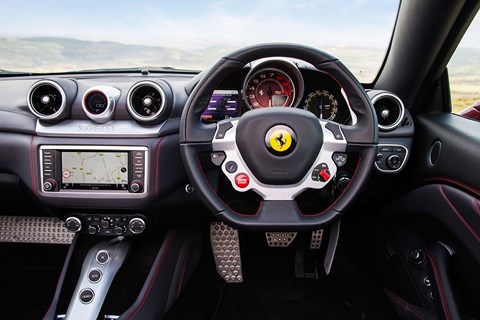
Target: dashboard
x=111, y=140
x=279, y=83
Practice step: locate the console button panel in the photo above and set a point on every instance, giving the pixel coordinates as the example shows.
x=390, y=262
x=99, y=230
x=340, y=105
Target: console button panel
x=110, y=225
x=391, y=157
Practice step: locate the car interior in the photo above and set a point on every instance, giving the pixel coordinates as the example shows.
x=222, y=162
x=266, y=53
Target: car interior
x=272, y=185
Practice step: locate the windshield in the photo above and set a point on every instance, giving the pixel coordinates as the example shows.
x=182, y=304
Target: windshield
x=61, y=36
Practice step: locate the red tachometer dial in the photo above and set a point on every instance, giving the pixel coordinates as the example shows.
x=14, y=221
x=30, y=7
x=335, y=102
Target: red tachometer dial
x=269, y=87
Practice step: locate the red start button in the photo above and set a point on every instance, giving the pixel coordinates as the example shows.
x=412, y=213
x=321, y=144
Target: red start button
x=242, y=180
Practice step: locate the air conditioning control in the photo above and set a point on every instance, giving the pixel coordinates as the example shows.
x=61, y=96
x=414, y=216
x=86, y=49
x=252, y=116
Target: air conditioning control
x=137, y=225
x=107, y=224
x=92, y=229
x=73, y=224
x=119, y=230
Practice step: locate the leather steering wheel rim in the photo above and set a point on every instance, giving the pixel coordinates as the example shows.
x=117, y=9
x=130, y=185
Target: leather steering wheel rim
x=277, y=215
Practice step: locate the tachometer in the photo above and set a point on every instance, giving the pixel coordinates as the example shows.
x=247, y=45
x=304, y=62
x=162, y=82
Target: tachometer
x=269, y=87
x=323, y=104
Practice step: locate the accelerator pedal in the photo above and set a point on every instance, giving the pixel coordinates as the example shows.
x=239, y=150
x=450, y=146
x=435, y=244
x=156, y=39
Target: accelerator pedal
x=226, y=252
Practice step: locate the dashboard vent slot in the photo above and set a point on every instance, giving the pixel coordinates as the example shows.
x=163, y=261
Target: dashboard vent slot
x=146, y=101
x=389, y=109
x=46, y=99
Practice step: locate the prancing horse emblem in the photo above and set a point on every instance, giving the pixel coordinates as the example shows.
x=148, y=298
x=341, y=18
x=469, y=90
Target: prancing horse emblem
x=280, y=140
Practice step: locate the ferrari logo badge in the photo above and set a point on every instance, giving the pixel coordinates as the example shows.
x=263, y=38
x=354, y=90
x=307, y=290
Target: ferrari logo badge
x=280, y=140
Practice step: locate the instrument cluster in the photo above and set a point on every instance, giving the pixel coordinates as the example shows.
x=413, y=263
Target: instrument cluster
x=279, y=82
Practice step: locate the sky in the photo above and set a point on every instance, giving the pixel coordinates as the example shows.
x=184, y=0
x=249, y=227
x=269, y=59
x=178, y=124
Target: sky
x=201, y=23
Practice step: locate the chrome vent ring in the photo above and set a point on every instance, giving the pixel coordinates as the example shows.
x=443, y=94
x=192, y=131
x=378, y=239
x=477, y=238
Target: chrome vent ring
x=46, y=99
x=146, y=101
x=389, y=109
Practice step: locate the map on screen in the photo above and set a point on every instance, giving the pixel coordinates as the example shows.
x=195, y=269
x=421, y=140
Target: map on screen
x=94, y=170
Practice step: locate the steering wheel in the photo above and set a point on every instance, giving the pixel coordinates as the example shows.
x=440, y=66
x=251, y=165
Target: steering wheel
x=277, y=152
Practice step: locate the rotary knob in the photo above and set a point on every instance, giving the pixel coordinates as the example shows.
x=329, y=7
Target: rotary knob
x=73, y=224
x=93, y=229
x=136, y=225
x=119, y=230
x=49, y=185
x=136, y=186
x=394, y=161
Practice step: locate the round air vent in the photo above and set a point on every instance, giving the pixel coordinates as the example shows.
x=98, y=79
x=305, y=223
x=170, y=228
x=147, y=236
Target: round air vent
x=389, y=109
x=146, y=101
x=46, y=99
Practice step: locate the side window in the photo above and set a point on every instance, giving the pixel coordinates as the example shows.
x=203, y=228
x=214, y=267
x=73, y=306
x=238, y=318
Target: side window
x=464, y=74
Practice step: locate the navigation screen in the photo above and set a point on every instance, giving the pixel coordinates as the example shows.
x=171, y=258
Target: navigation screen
x=95, y=170
x=223, y=105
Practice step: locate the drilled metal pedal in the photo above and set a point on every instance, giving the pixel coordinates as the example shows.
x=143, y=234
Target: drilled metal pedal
x=226, y=252
x=280, y=239
x=316, y=239
x=34, y=230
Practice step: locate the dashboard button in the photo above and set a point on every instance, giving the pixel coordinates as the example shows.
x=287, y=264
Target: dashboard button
x=324, y=175
x=102, y=257
x=217, y=158
x=340, y=159
x=222, y=129
x=242, y=180
x=86, y=295
x=94, y=275
x=335, y=129
x=385, y=149
x=231, y=166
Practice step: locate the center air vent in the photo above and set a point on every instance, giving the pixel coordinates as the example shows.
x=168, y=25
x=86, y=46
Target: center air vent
x=46, y=99
x=389, y=109
x=146, y=101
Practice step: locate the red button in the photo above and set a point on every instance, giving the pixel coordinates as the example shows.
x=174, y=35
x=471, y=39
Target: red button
x=242, y=180
x=325, y=174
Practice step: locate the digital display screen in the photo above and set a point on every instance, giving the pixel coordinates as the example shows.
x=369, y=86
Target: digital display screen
x=95, y=170
x=223, y=105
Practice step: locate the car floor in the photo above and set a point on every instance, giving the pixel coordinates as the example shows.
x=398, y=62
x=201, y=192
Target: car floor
x=271, y=290
x=29, y=274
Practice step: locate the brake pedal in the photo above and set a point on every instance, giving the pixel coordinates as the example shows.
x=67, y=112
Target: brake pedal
x=316, y=239
x=280, y=239
x=226, y=252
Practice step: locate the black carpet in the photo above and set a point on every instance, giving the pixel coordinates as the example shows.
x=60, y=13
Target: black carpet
x=28, y=278
x=279, y=298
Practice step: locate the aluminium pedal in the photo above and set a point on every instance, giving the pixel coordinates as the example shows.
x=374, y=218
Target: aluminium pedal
x=48, y=230
x=280, y=239
x=316, y=239
x=226, y=252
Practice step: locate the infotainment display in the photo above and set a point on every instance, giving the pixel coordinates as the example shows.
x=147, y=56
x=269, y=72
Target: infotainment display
x=223, y=105
x=94, y=170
